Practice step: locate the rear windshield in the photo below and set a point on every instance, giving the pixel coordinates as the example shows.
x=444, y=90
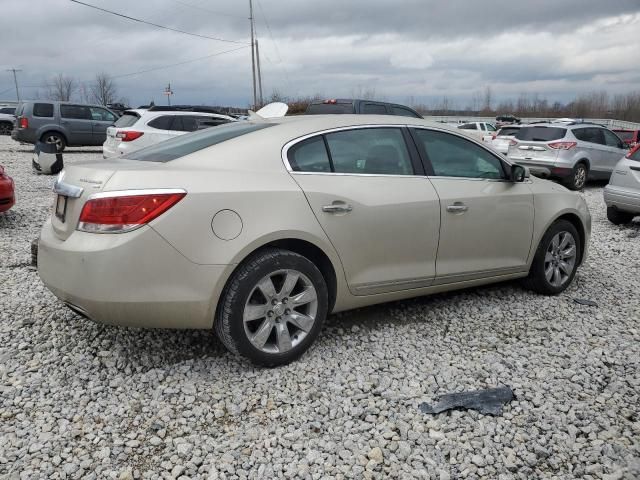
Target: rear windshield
x=322, y=108
x=540, y=134
x=625, y=135
x=192, y=142
x=508, y=131
x=127, y=119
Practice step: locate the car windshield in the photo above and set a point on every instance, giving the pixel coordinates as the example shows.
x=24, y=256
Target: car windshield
x=540, y=134
x=192, y=142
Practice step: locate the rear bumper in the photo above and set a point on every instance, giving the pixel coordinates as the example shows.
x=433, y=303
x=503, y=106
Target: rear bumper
x=134, y=279
x=23, y=135
x=622, y=198
x=110, y=151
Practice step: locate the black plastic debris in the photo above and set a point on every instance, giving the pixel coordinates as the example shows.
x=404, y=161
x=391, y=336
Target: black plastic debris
x=489, y=401
x=584, y=301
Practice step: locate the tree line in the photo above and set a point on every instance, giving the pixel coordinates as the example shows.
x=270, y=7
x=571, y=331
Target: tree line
x=102, y=90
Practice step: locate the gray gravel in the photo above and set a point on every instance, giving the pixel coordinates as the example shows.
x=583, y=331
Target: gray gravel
x=80, y=400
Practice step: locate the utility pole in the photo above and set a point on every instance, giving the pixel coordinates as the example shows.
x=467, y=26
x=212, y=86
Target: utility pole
x=259, y=75
x=15, y=80
x=253, y=54
x=168, y=92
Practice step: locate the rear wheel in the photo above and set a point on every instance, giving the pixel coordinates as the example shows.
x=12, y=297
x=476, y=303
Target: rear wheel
x=578, y=177
x=272, y=308
x=54, y=138
x=556, y=259
x=617, y=217
x=5, y=128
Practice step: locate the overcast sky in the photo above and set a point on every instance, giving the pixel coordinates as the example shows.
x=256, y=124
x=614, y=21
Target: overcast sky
x=425, y=49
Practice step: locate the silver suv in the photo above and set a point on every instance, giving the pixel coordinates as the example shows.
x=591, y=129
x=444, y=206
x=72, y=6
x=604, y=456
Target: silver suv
x=571, y=152
x=62, y=123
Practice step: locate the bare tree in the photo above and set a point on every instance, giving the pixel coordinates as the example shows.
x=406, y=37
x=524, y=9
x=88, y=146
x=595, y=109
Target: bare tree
x=488, y=97
x=61, y=88
x=104, y=90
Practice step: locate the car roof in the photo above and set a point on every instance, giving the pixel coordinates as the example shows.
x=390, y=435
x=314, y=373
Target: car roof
x=156, y=113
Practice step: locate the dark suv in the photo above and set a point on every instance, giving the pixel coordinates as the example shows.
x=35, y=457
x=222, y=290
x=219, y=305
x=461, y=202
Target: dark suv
x=364, y=107
x=62, y=123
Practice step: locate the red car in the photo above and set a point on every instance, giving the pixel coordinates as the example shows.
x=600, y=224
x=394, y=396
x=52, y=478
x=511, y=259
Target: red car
x=630, y=137
x=7, y=194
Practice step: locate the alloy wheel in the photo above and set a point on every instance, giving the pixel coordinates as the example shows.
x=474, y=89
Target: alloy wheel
x=54, y=140
x=560, y=259
x=280, y=311
x=580, y=176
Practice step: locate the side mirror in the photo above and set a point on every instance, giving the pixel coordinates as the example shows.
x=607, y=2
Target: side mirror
x=519, y=173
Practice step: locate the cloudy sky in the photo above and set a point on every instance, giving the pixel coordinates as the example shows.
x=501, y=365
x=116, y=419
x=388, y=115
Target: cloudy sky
x=399, y=49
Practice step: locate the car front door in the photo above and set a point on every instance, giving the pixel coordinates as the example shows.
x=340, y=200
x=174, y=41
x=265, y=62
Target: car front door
x=614, y=150
x=382, y=218
x=77, y=121
x=487, y=221
x=102, y=119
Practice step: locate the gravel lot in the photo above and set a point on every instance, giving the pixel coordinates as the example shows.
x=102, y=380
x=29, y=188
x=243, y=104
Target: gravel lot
x=81, y=400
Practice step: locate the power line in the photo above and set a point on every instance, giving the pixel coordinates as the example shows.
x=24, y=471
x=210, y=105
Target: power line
x=155, y=24
x=275, y=46
x=207, y=10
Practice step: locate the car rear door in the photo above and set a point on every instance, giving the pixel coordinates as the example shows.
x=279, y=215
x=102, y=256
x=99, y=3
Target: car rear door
x=614, y=150
x=77, y=121
x=102, y=120
x=367, y=190
x=487, y=221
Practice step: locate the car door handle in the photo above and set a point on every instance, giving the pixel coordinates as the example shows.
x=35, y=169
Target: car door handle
x=457, y=207
x=337, y=208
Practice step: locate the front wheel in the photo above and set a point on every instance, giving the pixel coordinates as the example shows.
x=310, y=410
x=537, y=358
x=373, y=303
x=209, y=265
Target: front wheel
x=272, y=308
x=556, y=259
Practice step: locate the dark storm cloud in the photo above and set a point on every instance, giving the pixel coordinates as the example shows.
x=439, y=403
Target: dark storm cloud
x=424, y=49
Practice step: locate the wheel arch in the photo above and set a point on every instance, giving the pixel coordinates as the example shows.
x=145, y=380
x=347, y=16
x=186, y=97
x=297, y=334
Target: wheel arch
x=575, y=220
x=57, y=130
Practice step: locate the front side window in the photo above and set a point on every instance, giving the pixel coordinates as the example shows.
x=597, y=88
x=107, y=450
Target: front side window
x=374, y=109
x=611, y=139
x=454, y=156
x=375, y=151
x=490, y=127
x=403, y=112
x=309, y=156
x=101, y=115
x=43, y=109
x=76, y=112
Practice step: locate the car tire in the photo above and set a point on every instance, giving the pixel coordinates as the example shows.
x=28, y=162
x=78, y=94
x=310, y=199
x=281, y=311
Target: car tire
x=618, y=217
x=555, y=264
x=578, y=178
x=56, y=139
x=256, y=316
x=5, y=128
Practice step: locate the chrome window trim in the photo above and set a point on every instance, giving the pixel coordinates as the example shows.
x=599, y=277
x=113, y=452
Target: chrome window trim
x=66, y=189
x=127, y=193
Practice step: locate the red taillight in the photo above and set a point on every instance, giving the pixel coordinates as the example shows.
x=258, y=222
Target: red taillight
x=118, y=212
x=493, y=137
x=513, y=143
x=333, y=101
x=632, y=151
x=562, y=145
x=24, y=122
x=128, y=136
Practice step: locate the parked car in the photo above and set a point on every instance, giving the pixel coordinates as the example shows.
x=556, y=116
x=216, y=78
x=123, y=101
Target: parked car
x=62, y=123
x=481, y=130
x=7, y=120
x=260, y=229
x=361, y=107
x=117, y=108
x=629, y=137
x=502, y=120
x=7, y=191
x=502, y=138
x=622, y=195
x=137, y=129
x=572, y=152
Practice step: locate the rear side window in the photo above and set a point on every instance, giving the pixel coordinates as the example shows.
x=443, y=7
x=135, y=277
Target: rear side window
x=77, y=112
x=101, y=115
x=208, y=122
x=127, y=119
x=309, y=156
x=611, y=139
x=186, y=144
x=404, y=112
x=329, y=108
x=468, y=126
x=591, y=135
x=374, y=109
x=627, y=136
x=540, y=134
x=43, y=109
x=374, y=151
x=163, y=122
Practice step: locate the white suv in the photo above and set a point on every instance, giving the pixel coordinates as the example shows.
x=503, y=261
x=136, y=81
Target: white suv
x=139, y=128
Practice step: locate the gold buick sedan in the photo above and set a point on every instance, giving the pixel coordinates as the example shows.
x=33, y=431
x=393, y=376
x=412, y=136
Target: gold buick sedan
x=260, y=229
